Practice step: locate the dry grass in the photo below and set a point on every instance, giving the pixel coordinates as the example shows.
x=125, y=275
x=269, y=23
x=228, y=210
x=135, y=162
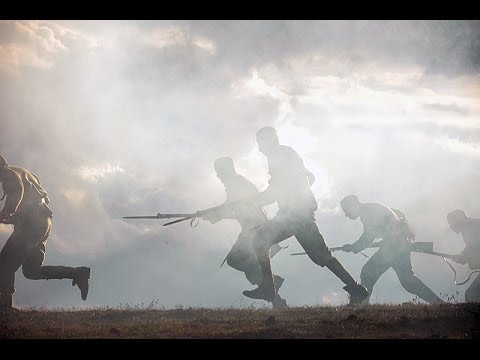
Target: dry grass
x=410, y=320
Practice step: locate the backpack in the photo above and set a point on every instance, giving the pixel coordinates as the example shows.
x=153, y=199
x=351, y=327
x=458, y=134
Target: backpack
x=404, y=229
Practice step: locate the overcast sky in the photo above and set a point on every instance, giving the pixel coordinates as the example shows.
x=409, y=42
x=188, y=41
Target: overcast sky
x=127, y=117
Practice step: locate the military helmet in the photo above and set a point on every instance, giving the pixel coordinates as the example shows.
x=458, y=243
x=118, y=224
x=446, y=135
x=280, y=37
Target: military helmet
x=456, y=216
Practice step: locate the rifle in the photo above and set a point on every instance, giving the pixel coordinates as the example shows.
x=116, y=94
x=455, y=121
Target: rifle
x=200, y=213
x=188, y=216
x=425, y=247
x=158, y=216
x=418, y=246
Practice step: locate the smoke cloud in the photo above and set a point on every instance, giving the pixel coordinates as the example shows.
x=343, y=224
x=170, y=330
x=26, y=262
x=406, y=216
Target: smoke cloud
x=125, y=118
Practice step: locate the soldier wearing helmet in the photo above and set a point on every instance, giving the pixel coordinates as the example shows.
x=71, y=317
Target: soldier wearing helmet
x=26, y=208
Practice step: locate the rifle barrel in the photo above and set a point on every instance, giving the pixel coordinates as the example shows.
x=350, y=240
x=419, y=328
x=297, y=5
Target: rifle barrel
x=198, y=214
x=375, y=244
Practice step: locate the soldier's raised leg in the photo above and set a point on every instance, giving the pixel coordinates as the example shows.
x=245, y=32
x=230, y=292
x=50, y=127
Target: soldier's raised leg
x=373, y=269
x=309, y=237
x=33, y=269
x=269, y=234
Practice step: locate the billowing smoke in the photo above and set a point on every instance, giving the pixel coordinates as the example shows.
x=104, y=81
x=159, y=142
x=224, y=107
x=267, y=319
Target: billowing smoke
x=126, y=118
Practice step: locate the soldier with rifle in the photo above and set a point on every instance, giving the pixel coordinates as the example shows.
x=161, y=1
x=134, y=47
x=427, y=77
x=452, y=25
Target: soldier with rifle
x=248, y=214
x=425, y=247
x=469, y=227
x=26, y=207
x=380, y=221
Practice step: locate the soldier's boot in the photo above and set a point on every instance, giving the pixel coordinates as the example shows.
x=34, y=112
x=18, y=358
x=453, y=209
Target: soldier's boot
x=357, y=293
x=262, y=292
x=279, y=302
x=81, y=278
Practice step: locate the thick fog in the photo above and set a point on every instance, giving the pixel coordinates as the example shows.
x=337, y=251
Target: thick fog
x=125, y=118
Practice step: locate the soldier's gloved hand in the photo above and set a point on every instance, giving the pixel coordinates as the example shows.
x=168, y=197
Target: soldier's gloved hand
x=347, y=247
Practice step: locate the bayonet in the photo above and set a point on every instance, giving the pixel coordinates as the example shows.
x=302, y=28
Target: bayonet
x=158, y=216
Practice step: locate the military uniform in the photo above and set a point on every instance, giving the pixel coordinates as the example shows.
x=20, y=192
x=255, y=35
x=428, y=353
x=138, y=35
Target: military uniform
x=289, y=186
x=250, y=216
x=471, y=254
x=379, y=221
x=26, y=207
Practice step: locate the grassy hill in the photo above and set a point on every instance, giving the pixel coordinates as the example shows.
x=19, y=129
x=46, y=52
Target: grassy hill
x=409, y=320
